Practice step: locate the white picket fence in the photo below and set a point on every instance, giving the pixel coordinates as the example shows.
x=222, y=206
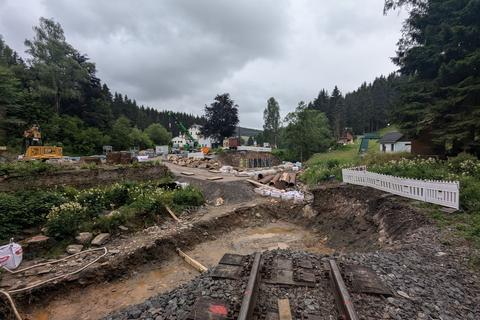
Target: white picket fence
x=445, y=193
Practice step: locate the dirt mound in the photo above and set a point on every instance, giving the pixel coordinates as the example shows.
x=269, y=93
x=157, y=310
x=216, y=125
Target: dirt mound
x=231, y=191
x=359, y=217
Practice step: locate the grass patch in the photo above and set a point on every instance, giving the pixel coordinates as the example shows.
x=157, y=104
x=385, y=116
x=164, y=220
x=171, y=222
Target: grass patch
x=328, y=166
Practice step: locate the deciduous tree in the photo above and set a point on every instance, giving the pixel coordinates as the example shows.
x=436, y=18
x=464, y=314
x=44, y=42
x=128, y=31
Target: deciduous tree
x=307, y=132
x=271, y=117
x=158, y=134
x=221, y=118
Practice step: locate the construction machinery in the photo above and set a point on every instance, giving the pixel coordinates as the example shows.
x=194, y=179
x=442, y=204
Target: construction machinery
x=34, y=148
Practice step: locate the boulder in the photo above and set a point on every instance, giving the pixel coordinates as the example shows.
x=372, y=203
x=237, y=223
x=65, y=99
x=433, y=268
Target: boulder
x=100, y=239
x=84, y=237
x=37, y=242
x=74, y=248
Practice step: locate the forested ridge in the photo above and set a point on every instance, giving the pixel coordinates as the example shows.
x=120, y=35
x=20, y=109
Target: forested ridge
x=57, y=88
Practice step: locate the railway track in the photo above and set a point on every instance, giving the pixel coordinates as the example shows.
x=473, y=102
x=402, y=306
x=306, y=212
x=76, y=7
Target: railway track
x=272, y=286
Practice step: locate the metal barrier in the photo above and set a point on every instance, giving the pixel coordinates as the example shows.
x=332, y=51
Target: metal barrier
x=445, y=193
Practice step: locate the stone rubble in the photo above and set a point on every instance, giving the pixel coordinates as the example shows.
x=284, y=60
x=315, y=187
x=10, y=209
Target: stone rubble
x=101, y=239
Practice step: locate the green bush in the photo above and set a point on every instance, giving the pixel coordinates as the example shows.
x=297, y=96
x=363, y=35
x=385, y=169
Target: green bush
x=37, y=204
x=11, y=216
x=93, y=200
x=284, y=154
x=465, y=164
x=189, y=196
x=64, y=221
x=117, y=194
x=470, y=194
x=321, y=170
x=66, y=210
x=25, y=168
x=26, y=209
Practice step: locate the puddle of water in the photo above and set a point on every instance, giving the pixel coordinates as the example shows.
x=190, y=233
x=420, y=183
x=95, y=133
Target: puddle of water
x=97, y=301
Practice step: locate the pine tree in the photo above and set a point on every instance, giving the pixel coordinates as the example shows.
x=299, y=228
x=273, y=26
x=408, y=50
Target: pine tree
x=440, y=53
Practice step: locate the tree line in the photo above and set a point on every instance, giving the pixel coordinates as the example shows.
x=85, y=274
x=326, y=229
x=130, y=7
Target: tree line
x=57, y=88
x=315, y=126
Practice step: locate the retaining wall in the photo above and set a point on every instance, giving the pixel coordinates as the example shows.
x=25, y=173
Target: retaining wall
x=249, y=159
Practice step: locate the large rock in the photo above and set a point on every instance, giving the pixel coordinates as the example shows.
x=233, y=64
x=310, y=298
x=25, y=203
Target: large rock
x=37, y=242
x=74, y=248
x=101, y=239
x=84, y=237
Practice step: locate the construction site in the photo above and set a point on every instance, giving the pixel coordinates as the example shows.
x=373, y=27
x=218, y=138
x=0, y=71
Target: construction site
x=262, y=246
x=240, y=160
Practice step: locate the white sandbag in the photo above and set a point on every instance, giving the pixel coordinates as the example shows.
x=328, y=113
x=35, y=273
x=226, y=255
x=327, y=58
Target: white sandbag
x=287, y=196
x=275, y=194
x=11, y=255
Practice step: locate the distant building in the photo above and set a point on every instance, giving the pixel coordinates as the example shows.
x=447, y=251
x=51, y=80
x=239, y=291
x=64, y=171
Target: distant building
x=194, y=130
x=347, y=137
x=394, y=142
x=178, y=142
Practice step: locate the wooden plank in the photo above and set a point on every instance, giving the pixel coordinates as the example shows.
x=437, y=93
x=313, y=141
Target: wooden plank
x=187, y=173
x=194, y=263
x=172, y=214
x=214, y=171
x=284, y=312
x=214, y=178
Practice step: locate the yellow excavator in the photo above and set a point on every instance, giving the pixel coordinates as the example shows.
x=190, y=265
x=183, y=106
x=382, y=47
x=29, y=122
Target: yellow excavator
x=35, y=150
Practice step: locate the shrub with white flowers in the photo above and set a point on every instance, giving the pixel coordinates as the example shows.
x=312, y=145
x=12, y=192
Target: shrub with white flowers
x=64, y=220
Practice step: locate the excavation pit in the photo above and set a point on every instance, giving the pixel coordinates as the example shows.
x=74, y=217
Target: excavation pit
x=147, y=264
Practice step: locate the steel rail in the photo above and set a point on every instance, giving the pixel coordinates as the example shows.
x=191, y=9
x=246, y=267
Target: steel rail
x=344, y=302
x=249, y=296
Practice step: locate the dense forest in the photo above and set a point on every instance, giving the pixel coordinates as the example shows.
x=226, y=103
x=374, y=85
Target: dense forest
x=57, y=88
x=366, y=109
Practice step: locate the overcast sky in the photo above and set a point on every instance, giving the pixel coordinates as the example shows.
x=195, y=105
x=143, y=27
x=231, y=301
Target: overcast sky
x=178, y=54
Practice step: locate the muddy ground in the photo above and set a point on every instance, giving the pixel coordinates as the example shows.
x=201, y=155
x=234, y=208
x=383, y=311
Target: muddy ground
x=352, y=224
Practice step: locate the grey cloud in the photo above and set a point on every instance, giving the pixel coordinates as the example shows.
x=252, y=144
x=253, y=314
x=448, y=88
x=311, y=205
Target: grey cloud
x=180, y=53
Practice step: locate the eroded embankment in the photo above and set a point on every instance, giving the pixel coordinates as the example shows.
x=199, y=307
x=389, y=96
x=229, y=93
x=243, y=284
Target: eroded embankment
x=359, y=218
x=83, y=178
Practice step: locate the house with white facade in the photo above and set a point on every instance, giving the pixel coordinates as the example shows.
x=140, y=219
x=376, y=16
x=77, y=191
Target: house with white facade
x=394, y=142
x=178, y=142
x=195, y=132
